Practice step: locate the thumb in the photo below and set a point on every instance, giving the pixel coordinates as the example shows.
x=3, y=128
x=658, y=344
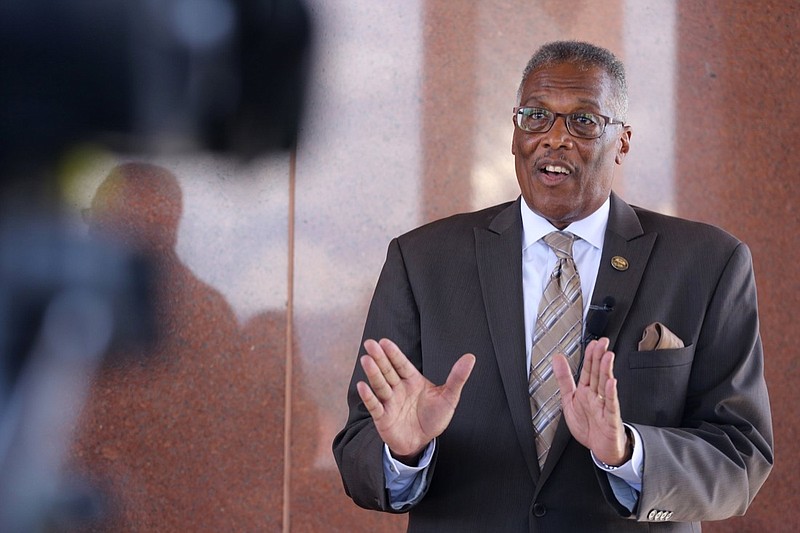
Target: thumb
x=458, y=377
x=563, y=375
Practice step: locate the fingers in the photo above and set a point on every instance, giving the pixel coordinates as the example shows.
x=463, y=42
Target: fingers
x=609, y=385
x=566, y=382
x=586, y=371
x=602, y=384
x=598, y=364
x=371, y=402
x=401, y=366
x=458, y=377
x=605, y=370
x=385, y=366
x=378, y=353
x=610, y=397
x=377, y=380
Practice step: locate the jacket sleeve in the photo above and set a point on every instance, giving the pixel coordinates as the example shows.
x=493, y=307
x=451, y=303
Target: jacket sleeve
x=711, y=467
x=358, y=449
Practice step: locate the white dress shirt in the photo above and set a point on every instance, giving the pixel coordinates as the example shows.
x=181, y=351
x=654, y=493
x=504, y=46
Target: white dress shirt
x=406, y=483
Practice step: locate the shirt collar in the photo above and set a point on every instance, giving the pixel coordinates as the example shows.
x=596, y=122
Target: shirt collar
x=591, y=229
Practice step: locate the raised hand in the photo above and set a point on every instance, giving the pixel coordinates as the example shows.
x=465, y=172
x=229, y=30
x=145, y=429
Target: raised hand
x=408, y=410
x=591, y=407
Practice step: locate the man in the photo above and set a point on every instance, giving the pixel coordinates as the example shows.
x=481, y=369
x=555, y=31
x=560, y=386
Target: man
x=653, y=435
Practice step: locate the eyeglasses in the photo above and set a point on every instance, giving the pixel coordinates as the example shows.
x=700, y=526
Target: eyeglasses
x=583, y=125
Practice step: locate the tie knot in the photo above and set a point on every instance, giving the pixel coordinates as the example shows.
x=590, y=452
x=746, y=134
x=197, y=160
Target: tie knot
x=561, y=243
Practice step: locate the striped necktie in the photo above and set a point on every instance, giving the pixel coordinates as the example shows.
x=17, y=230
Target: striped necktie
x=558, y=330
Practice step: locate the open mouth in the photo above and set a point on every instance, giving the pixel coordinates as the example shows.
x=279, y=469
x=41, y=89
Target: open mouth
x=554, y=174
x=555, y=170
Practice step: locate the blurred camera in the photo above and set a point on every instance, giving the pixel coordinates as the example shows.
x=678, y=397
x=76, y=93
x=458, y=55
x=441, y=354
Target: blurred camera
x=224, y=76
x=143, y=76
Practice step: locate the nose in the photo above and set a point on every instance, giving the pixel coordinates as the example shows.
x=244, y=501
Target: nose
x=558, y=136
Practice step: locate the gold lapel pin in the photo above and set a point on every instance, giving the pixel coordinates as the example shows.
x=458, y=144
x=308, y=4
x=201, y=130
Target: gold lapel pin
x=619, y=263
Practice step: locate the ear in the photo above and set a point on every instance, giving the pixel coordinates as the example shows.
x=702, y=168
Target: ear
x=624, y=144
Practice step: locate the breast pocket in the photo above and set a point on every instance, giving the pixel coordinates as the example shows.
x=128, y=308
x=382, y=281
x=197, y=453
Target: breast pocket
x=655, y=385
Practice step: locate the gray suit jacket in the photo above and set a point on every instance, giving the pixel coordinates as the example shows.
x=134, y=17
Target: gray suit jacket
x=455, y=286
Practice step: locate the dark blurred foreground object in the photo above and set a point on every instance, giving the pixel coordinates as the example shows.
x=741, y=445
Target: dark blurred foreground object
x=143, y=76
x=64, y=302
x=149, y=76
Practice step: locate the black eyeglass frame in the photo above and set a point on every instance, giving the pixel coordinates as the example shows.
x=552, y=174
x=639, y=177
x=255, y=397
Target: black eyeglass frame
x=606, y=121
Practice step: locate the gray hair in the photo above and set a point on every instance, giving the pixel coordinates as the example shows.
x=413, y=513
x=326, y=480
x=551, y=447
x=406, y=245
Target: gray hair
x=586, y=55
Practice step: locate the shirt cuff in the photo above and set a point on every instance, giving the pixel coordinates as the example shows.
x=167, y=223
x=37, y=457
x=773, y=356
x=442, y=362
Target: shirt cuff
x=626, y=479
x=630, y=472
x=405, y=483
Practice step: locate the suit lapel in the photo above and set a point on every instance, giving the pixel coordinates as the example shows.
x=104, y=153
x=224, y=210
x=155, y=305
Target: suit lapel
x=625, y=254
x=499, y=258
x=625, y=240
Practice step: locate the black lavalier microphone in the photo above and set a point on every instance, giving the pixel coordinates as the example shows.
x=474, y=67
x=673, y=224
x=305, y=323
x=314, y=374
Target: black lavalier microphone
x=597, y=319
x=596, y=322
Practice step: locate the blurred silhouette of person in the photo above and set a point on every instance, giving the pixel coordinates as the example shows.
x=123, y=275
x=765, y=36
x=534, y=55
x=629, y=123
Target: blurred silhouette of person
x=183, y=438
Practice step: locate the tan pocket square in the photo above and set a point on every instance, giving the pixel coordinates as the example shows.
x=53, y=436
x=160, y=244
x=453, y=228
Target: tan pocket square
x=658, y=337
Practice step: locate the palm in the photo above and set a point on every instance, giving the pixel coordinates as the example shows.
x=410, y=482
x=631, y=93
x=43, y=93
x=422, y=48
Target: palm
x=408, y=410
x=591, y=407
x=587, y=418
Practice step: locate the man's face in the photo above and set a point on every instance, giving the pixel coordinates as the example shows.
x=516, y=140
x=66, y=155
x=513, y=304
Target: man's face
x=565, y=178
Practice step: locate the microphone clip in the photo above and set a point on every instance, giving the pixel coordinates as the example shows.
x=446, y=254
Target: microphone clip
x=597, y=319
